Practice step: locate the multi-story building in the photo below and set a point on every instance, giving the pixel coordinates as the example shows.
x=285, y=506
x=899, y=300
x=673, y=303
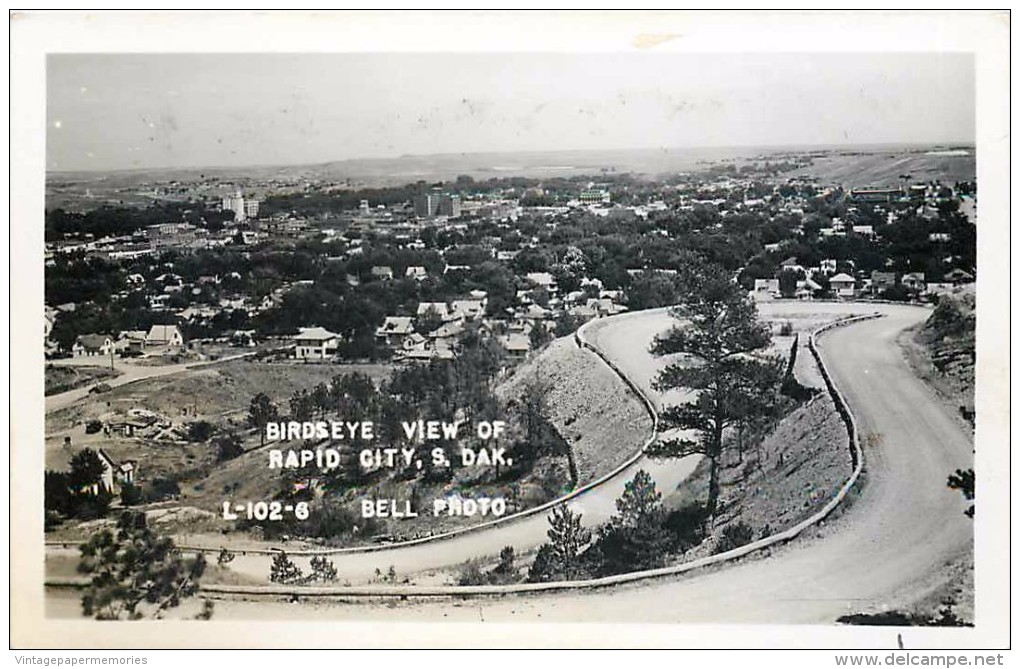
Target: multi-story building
x=236, y=203
x=436, y=203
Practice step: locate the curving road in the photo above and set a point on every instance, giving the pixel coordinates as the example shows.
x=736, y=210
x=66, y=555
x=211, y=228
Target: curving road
x=888, y=548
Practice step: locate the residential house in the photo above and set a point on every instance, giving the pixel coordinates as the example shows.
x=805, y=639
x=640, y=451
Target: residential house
x=806, y=289
x=164, y=335
x=842, y=285
x=394, y=330
x=543, y=279
x=88, y=345
x=958, y=276
x=881, y=281
x=382, y=272
x=766, y=289
x=114, y=474
x=439, y=308
x=131, y=341
x=416, y=272
x=469, y=309
x=456, y=268
x=245, y=338
x=583, y=311
x=914, y=281
x=414, y=342
x=315, y=343
x=516, y=345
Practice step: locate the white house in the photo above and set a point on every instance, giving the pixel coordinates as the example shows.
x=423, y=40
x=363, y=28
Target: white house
x=92, y=344
x=164, y=335
x=842, y=285
x=416, y=272
x=315, y=343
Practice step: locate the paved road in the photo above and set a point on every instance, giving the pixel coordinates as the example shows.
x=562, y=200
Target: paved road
x=887, y=549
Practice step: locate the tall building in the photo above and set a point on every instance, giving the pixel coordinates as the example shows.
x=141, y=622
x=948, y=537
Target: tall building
x=426, y=205
x=235, y=203
x=251, y=208
x=449, y=205
x=436, y=203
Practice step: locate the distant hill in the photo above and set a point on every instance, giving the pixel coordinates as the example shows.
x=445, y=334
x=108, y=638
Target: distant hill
x=848, y=166
x=885, y=168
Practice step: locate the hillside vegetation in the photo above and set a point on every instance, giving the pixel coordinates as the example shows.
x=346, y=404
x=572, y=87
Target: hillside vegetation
x=947, y=341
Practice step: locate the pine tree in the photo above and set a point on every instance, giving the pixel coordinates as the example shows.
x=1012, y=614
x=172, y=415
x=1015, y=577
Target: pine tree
x=136, y=573
x=283, y=570
x=568, y=539
x=723, y=340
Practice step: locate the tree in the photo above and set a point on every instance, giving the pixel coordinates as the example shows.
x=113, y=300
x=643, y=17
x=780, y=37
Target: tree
x=320, y=398
x=506, y=562
x=228, y=447
x=788, y=282
x=568, y=539
x=261, y=412
x=721, y=335
x=963, y=480
x=323, y=570
x=283, y=570
x=635, y=537
x=639, y=502
x=200, y=430
x=538, y=336
x=428, y=321
x=136, y=573
x=87, y=470
x=301, y=406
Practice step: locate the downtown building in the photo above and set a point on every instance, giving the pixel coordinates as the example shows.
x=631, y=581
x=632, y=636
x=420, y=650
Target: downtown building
x=436, y=203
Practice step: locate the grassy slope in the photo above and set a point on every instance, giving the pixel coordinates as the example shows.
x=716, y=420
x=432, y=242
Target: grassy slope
x=884, y=169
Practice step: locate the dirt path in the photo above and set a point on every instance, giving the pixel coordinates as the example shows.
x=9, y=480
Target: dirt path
x=129, y=374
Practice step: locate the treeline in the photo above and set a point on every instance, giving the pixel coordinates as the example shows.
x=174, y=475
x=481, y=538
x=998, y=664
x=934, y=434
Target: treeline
x=108, y=221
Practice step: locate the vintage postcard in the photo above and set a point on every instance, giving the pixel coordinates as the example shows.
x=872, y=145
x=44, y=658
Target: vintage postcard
x=361, y=319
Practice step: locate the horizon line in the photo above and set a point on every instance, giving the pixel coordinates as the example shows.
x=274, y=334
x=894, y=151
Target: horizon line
x=407, y=156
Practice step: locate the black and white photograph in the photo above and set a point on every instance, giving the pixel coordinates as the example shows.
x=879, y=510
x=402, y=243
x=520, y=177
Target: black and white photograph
x=662, y=334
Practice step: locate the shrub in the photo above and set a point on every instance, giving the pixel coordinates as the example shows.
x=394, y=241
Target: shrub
x=283, y=570
x=471, y=573
x=228, y=447
x=130, y=495
x=200, y=430
x=162, y=488
x=322, y=570
x=687, y=525
x=735, y=535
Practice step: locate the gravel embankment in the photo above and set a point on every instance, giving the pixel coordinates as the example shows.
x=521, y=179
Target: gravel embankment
x=594, y=411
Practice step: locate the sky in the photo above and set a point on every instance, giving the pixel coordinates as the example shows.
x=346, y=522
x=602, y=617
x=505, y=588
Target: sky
x=123, y=111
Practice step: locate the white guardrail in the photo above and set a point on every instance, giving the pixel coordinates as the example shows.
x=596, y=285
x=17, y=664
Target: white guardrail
x=461, y=591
